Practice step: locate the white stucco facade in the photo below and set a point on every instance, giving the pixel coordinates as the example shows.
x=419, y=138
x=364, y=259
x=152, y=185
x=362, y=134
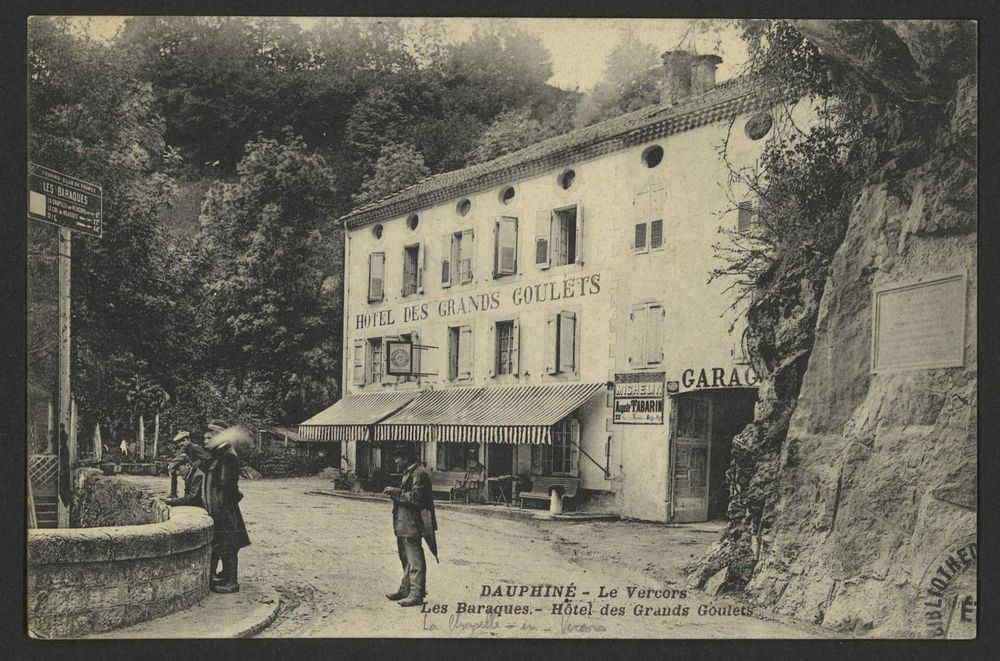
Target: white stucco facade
x=610, y=284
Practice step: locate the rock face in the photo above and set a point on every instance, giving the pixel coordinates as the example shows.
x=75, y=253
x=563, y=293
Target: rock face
x=878, y=471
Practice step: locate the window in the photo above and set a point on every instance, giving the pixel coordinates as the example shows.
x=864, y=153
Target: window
x=377, y=232
x=413, y=269
x=562, y=457
x=558, y=237
x=560, y=343
x=412, y=221
x=376, y=277
x=460, y=352
x=457, y=258
x=566, y=179
x=507, y=194
x=647, y=208
x=656, y=234
x=652, y=156
x=744, y=217
x=376, y=362
x=506, y=341
x=646, y=346
x=505, y=247
x=456, y=456
x=463, y=207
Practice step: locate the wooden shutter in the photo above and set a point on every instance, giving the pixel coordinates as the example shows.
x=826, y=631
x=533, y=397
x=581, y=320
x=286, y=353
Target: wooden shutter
x=495, y=349
x=446, y=270
x=454, y=335
x=505, y=254
x=653, y=352
x=543, y=238
x=574, y=447
x=578, y=257
x=465, y=352
x=515, y=348
x=567, y=341
x=421, y=266
x=415, y=338
x=409, y=272
x=358, y=356
x=656, y=234
x=466, y=253
x=639, y=241
x=551, y=344
x=637, y=325
x=376, y=277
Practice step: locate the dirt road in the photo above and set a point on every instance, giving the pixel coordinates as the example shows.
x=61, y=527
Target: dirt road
x=332, y=560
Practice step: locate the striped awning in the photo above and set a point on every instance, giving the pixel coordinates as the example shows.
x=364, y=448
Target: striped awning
x=418, y=420
x=351, y=418
x=516, y=414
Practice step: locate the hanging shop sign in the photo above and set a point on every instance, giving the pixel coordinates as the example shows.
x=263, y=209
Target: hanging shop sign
x=65, y=201
x=638, y=399
x=400, y=358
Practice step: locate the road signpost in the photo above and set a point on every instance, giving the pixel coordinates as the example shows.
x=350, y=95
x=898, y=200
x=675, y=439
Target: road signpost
x=73, y=205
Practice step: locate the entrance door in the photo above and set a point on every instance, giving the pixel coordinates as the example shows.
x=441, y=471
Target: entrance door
x=500, y=459
x=692, y=445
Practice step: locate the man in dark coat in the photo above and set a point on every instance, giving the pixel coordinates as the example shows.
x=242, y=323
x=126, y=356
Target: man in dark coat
x=412, y=520
x=221, y=497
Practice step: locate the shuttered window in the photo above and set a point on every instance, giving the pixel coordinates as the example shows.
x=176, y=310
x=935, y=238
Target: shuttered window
x=358, y=364
x=505, y=247
x=639, y=242
x=375, y=367
x=559, y=237
x=561, y=343
x=543, y=236
x=647, y=211
x=413, y=269
x=446, y=263
x=506, y=341
x=465, y=253
x=646, y=336
x=376, y=277
x=656, y=234
x=460, y=352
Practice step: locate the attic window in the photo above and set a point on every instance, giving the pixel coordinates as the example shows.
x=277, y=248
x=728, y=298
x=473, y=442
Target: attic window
x=507, y=194
x=412, y=221
x=463, y=206
x=758, y=125
x=566, y=179
x=651, y=156
x=377, y=231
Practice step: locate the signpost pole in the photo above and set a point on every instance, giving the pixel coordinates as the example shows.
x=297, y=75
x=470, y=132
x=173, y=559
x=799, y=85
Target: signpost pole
x=65, y=248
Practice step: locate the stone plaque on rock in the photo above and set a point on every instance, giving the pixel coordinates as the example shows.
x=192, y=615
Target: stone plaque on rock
x=919, y=325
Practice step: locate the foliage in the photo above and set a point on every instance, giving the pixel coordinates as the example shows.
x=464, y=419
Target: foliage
x=398, y=166
x=274, y=341
x=510, y=131
x=91, y=115
x=631, y=81
x=805, y=187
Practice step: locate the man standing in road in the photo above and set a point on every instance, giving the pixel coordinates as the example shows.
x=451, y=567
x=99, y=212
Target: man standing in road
x=412, y=520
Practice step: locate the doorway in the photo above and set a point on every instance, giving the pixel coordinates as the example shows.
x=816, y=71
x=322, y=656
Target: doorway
x=703, y=426
x=499, y=459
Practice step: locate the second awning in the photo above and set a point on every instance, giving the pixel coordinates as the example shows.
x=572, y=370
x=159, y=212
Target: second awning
x=515, y=414
x=351, y=418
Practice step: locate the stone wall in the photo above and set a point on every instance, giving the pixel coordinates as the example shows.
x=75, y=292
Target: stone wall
x=878, y=471
x=89, y=580
x=100, y=500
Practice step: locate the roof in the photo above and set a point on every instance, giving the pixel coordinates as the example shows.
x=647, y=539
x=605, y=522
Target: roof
x=349, y=418
x=724, y=101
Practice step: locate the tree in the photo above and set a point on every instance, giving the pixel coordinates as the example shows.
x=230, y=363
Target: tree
x=398, y=166
x=631, y=81
x=512, y=130
x=274, y=310
x=92, y=115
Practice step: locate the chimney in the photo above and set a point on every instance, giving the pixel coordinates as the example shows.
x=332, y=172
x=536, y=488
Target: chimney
x=685, y=73
x=703, y=73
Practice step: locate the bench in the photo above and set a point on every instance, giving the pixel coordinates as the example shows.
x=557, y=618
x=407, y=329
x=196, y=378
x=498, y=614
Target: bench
x=542, y=486
x=446, y=481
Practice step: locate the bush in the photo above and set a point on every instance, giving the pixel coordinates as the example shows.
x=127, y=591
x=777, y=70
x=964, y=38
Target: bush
x=291, y=466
